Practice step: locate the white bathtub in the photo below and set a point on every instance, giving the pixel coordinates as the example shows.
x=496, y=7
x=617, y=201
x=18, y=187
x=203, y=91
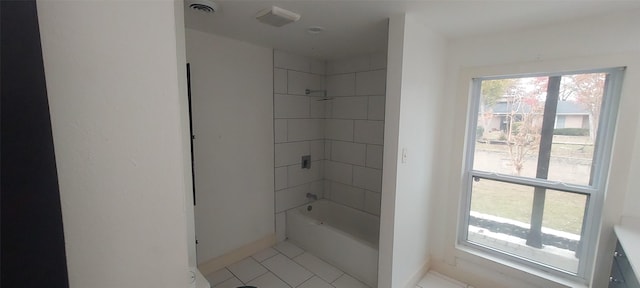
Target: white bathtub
x=342, y=236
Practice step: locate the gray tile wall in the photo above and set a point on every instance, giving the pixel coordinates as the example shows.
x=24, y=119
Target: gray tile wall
x=354, y=131
x=344, y=136
x=299, y=130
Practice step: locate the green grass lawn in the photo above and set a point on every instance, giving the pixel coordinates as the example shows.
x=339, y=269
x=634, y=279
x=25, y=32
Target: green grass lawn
x=563, y=211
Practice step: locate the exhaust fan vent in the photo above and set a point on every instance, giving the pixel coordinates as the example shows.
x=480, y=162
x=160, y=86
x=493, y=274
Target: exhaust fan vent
x=203, y=6
x=277, y=17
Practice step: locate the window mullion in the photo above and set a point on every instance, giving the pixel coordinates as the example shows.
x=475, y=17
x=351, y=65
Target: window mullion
x=544, y=157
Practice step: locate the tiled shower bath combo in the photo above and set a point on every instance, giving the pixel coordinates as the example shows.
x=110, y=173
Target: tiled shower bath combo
x=333, y=113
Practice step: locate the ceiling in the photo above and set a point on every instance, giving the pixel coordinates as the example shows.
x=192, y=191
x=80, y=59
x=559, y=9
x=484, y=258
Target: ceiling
x=360, y=26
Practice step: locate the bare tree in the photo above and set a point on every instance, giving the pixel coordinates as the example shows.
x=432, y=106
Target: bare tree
x=524, y=121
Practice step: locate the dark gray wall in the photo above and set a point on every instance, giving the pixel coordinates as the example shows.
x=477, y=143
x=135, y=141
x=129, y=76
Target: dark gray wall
x=33, y=252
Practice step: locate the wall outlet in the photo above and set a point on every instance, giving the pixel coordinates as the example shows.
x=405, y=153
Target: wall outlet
x=404, y=155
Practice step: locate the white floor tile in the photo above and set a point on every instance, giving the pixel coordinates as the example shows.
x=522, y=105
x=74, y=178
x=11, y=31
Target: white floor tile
x=268, y=280
x=346, y=281
x=287, y=270
x=437, y=280
x=219, y=276
x=315, y=282
x=264, y=254
x=231, y=283
x=323, y=269
x=288, y=249
x=285, y=265
x=247, y=269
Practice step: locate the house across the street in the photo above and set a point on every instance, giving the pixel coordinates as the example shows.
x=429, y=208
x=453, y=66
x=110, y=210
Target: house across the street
x=570, y=114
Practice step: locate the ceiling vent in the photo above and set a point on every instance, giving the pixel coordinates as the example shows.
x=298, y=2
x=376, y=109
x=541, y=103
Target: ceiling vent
x=277, y=17
x=203, y=5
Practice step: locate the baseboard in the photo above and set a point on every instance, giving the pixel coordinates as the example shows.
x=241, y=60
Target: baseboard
x=200, y=282
x=236, y=255
x=485, y=274
x=417, y=276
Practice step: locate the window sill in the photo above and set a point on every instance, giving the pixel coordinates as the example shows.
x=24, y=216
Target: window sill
x=474, y=256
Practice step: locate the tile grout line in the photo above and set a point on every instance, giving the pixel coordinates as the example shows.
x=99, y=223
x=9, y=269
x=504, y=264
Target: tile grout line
x=334, y=281
x=316, y=275
x=254, y=278
x=274, y=274
x=260, y=262
x=237, y=277
x=312, y=275
x=224, y=280
x=278, y=252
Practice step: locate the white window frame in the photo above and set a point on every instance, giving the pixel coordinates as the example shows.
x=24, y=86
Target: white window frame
x=601, y=163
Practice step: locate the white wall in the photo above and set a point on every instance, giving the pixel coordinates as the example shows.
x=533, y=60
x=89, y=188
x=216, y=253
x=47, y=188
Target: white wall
x=602, y=41
x=117, y=104
x=633, y=191
x=186, y=136
x=415, y=89
x=231, y=85
x=390, y=156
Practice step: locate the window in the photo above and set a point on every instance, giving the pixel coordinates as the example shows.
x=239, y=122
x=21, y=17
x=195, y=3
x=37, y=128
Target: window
x=536, y=169
x=560, y=120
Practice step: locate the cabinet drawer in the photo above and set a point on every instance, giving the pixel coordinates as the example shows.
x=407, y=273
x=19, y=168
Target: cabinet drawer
x=616, y=280
x=625, y=272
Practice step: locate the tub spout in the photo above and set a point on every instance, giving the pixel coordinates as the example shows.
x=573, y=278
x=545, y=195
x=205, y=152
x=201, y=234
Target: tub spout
x=312, y=196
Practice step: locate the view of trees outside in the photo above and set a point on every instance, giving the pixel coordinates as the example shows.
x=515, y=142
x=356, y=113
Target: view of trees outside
x=521, y=101
x=525, y=120
x=587, y=90
x=508, y=141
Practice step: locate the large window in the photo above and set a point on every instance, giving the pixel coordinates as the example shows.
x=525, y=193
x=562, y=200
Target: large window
x=536, y=166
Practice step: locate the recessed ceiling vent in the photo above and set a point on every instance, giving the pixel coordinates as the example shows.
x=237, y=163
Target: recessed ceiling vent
x=203, y=5
x=277, y=17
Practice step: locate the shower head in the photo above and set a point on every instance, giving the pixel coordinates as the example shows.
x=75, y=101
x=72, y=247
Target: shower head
x=309, y=91
x=324, y=94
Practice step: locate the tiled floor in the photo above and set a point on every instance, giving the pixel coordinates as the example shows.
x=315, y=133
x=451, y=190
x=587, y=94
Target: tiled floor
x=283, y=266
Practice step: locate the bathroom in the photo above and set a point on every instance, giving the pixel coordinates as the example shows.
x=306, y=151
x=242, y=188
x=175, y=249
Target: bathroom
x=284, y=107
x=122, y=150
x=308, y=123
